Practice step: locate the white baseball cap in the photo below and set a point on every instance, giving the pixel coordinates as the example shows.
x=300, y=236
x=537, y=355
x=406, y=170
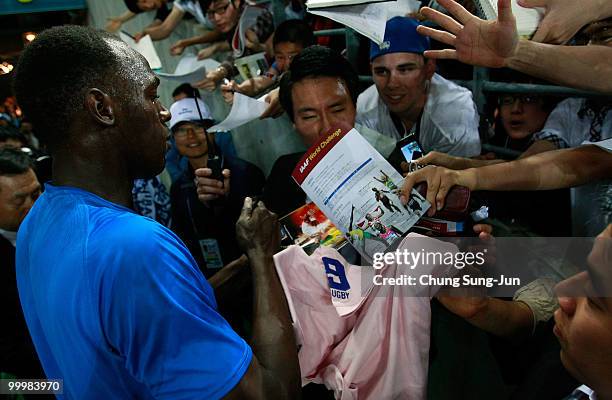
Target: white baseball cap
x=186, y=110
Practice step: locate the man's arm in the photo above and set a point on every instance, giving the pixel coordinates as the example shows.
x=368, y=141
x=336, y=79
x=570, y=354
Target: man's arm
x=114, y=23
x=207, y=37
x=496, y=44
x=583, y=67
x=164, y=29
x=545, y=171
x=505, y=318
x=274, y=372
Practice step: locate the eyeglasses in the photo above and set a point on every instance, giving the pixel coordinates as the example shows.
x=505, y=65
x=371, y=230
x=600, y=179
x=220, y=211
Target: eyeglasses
x=217, y=11
x=509, y=99
x=183, y=131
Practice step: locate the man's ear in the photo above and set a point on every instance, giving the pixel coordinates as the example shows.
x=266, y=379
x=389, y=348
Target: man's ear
x=430, y=68
x=100, y=107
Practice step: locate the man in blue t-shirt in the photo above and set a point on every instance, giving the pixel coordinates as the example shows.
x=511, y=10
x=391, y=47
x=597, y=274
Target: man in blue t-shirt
x=114, y=302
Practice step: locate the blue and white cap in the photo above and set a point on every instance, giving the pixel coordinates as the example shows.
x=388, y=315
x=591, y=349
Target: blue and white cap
x=185, y=110
x=400, y=37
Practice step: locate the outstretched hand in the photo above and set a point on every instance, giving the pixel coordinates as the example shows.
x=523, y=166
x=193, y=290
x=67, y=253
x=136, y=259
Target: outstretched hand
x=562, y=19
x=476, y=41
x=439, y=182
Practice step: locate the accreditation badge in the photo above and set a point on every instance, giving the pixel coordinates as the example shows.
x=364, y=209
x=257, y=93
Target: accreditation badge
x=211, y=253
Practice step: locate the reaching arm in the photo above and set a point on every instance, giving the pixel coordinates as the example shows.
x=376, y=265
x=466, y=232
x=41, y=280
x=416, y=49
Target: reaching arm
x=583, y=67
x=114, y=23
x=545, y=171
x=164, y=29
x=274, y=372
x=496, y=44
x=208, y=37
x=509, y=319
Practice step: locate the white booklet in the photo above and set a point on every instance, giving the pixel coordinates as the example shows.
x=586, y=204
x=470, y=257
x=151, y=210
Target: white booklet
x=244, y=109
x=358, y=190
x=368, y=19
x=190, y=70
x=144, y=47
x=313, y=4
x=527, y=19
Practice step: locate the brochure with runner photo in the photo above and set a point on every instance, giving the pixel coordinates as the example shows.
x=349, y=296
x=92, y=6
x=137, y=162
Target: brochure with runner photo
x=309, y=228
x=358, y=190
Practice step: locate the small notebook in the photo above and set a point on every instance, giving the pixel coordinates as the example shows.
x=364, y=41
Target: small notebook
x=527, y=19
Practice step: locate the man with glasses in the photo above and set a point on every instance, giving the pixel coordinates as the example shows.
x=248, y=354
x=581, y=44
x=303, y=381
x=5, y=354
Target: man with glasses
x=205, y=220
x=248, y=30
x=409, y=98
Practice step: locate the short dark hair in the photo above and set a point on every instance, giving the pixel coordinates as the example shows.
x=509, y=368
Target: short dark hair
x=132, y=5
x=204, y=4
x=10, y=132
x=187, y=89
x=55, y=71
x=14, y=162
x=294, y=31
x=313, y=62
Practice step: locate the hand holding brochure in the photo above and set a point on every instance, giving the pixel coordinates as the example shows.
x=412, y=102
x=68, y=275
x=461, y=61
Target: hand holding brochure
x=368, y=19
x=144, y=47
x=190, y=69
x=527, y=19
x=244, y=109
x=358, y=190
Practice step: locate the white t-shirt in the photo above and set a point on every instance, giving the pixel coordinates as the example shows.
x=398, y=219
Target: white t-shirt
x=449, y=123
x=193, y=8
x=566, y=128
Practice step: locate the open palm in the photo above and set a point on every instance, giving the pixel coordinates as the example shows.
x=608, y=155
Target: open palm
x=476, y=41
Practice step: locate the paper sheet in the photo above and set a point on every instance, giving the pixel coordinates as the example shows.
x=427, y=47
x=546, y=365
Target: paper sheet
x=144, y=47
x=244, y=109
x=527, y=19
x=368, y=19
x=190, y=69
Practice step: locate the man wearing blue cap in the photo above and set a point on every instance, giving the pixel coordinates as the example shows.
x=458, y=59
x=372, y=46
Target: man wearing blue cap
x=409, y=98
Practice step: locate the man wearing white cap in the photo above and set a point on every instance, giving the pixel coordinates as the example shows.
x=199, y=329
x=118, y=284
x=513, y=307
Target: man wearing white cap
x=409, y=99
x=205, y=221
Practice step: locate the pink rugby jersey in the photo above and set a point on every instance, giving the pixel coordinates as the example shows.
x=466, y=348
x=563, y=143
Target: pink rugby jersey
x=369, y=342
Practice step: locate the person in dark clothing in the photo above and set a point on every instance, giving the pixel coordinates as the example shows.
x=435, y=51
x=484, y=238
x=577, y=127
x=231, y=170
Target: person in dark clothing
x=19, y=188
x=206, y=223
x=318, y=91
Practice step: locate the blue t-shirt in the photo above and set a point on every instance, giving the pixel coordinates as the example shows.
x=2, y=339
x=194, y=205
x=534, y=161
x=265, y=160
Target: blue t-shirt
x=117, y=307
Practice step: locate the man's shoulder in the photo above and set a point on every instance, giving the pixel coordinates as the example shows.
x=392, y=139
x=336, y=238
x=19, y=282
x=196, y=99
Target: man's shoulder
x=450, y=105
x=367, y=101
x=445, y=92
x=287, y=162
x=124, y=227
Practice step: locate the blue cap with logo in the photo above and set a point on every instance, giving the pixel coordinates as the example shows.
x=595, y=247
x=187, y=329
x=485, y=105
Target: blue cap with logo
x=400, y=37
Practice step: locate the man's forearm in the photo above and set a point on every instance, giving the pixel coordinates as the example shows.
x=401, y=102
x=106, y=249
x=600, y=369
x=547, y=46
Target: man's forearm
x=546, y=171
x=583, y=67
x=509, y=319
x=157, y=32
x=208, y=37
x=273, y=340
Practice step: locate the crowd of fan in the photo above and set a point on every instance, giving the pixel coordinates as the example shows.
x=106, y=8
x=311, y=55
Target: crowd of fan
x=200, y=193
